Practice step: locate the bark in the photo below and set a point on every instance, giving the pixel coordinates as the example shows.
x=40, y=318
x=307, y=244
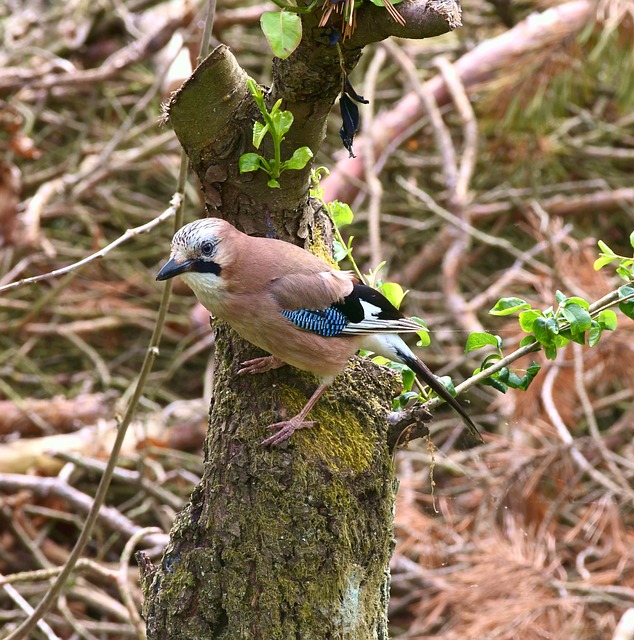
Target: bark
x=295, y=541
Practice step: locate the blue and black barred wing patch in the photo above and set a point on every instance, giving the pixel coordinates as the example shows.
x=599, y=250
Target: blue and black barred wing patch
x=324, y=322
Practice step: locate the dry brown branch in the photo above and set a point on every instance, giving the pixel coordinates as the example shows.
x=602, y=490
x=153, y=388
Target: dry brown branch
x=474, y=68
x=442, y=137
x=49, y=76
x=375, y=187
x=239, y=16
x=57, y=487
x=57, y=415
x=176, y=202
x=563, y=205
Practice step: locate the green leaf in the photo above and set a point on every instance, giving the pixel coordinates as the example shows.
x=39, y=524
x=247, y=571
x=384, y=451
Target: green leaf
x=283, y=30
x=627, y=306
x=577, y=316
x=514, y=381
x=550, y=352
x=447, y=382
x=534, y=369
x=273, y=184
x=526, y=340
x=529, y=376
x=381, y=3
x=259, y=131
x=508, y=306
x=562, y=341
x=624, y=273
x=496, y=384
x=560, y=297
x=341, y=213
x=545, y=330
x=250, y=162
x=605, y=249
x=419, y=321
x=600, y=262
x=577, y=300
x=340, y=251
x=527, y=318
x=423, y=339
x=477, y=340
x=408, y=378
x=256, y=92
x=401, y=402
x=490, y=359
x=594, y=335
x=632, y=239
x=607, y=319
x=300, y=158
x=567, y=335
x=282, y=121
x=393, y=292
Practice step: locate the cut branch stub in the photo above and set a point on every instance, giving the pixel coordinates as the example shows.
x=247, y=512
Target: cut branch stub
x=203, y=111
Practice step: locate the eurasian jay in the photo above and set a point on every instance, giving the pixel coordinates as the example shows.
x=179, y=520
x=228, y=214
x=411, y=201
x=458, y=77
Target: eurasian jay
x=293, y=305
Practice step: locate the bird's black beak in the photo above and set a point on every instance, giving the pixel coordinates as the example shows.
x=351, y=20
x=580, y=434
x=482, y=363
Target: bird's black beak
x=173, y=268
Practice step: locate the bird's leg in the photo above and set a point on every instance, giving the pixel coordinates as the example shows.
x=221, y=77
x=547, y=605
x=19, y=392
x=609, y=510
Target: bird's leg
x=287, y=428
x=260, y=365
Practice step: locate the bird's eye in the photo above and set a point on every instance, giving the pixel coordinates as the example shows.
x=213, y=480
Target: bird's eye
x=207, y=248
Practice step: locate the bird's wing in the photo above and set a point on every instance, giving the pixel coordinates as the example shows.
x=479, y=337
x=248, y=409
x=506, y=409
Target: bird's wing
x=369, y=311
x=362, y=311
x=312, y=290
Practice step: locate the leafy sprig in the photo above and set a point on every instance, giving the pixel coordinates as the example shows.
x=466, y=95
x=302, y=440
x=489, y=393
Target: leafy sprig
x=276, y=124
x=572, y=319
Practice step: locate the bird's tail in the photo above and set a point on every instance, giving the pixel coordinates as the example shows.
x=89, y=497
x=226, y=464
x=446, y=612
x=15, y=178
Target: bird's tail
x=392, y=346
x=423, y=372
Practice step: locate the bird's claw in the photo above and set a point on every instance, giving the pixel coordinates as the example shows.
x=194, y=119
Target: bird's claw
x=259, y=365
x=284, y=430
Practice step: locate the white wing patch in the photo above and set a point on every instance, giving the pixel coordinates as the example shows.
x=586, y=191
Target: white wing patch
x=369, y=310
x=371, y=323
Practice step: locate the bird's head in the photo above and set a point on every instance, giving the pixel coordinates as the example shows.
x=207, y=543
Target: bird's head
x=199, y=254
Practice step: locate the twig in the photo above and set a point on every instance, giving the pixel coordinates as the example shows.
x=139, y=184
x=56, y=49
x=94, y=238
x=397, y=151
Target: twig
x=123, y=580
x=45, y=604
x=566, y=437
x=440, y=131
x=501, y=283
x=125, y=475
x=133, y=53
x=175, y=204
x=110, y=517
x=461, y=224
x=469, y=128
x=374, y=184
x=62, y=605
x=27, y=626
x=580, y=388
x=28, y=609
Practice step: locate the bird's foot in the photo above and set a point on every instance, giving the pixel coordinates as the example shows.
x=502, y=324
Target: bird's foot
x=260, y=365
x=285, y=429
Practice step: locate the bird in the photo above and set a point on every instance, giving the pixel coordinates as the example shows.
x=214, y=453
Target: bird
x=293, y=305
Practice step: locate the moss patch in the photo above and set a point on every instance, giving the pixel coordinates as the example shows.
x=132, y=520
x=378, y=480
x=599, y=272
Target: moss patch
x=340, y=439
x=319, y=248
